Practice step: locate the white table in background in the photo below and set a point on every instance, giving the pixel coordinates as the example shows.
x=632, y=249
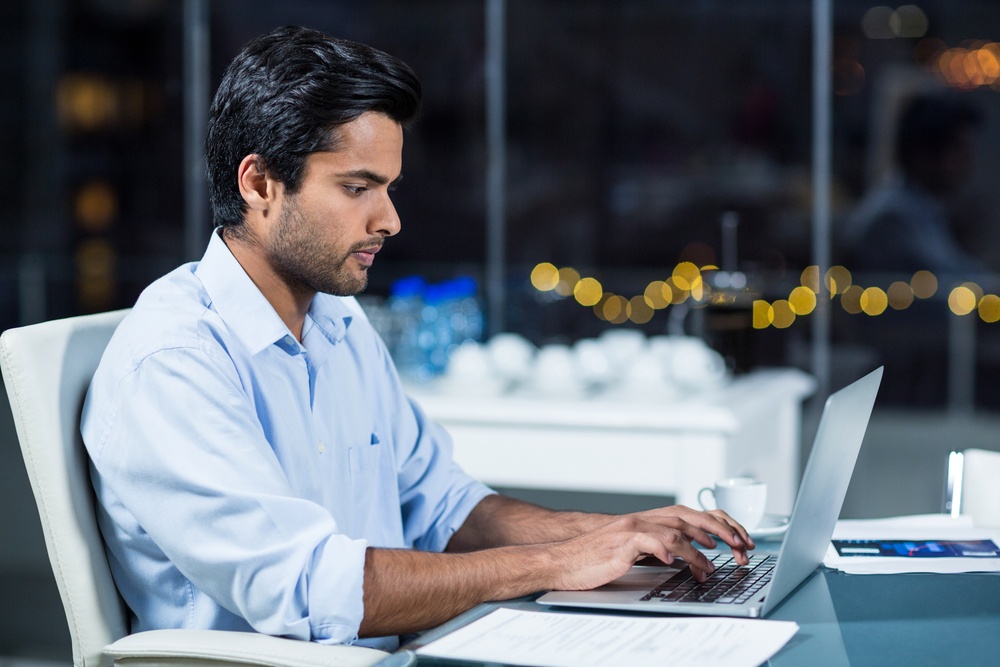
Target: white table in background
x=751, y=426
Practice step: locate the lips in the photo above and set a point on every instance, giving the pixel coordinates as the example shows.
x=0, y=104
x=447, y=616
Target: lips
x=366, y=255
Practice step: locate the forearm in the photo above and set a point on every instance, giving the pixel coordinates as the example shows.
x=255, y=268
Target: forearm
x=501, y=521
x=407, y=591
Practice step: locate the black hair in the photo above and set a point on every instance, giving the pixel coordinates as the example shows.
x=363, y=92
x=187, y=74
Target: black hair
x=929, y=124
x=282, y=98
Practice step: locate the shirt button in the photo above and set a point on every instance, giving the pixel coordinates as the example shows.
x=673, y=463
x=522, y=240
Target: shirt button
x=321, y=447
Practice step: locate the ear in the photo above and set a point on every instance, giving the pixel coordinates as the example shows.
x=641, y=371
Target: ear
x=258, y=190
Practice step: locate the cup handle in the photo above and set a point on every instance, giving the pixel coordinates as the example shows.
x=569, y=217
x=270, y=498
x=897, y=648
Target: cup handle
x=702, y=502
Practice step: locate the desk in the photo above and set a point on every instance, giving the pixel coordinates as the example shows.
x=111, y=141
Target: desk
x=878, y=620
x=752, y=426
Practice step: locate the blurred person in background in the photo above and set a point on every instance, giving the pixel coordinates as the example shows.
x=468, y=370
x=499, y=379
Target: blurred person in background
x=906, y=225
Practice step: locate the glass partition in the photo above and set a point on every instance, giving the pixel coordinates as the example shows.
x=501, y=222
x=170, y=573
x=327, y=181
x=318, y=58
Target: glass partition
x=657, y=158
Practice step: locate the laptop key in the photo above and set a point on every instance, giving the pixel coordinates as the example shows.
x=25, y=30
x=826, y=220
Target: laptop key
x=730, y=582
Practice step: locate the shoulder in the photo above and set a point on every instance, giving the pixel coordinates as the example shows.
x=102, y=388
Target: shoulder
x=173, y=314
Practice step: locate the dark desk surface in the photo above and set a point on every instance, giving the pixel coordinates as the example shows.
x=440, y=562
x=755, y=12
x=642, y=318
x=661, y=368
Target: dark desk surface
x=883, y=620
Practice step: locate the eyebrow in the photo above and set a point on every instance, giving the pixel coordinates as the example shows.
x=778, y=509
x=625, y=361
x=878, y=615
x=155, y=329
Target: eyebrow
x=370, y=175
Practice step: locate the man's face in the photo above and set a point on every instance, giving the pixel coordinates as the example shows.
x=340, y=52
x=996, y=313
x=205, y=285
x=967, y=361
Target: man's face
x=327, y=234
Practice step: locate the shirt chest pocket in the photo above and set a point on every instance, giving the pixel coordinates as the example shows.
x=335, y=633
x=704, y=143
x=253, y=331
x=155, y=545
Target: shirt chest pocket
x=374, y=493
x=365, y=460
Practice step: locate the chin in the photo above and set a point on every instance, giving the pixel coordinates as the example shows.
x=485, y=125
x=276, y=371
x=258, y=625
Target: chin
x=351, y=289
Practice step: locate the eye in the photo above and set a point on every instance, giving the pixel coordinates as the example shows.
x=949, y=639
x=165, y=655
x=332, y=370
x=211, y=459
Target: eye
x=355, y=189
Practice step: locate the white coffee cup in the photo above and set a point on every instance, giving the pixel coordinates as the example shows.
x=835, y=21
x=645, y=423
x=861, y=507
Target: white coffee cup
x=742, y=498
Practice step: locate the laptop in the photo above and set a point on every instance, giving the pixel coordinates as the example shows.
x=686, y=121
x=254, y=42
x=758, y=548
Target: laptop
x=756, y=589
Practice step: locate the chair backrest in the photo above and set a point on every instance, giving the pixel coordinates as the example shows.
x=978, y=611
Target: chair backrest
x=974, y=486
x=46, y=369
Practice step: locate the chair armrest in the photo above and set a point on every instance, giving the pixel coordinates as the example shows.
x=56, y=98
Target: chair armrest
x=217, y=648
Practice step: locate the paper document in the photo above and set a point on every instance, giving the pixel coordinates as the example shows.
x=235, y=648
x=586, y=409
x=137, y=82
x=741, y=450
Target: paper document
x=548, y=639
x=934, y=543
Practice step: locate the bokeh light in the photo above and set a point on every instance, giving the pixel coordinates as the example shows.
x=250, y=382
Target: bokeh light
x=687, y=276
x=989, y=308
x=655, y=295
x=962, y=300
x=810, y=278
x=86, y=102
x=95, y=264
x=588, y=292
x=568, y=278
x=975, y=289
x=544, y=277
x=782, y=315
x=900, y=295
x=924, y=284
x=614, y=309
x=638, y=311
x=971, y=65
x=850, y=300
x=95, y=206
x=761, y=314
x=802, y=300
x=838, y=279
x=678, y=294
x=873, y=301
x=875, y=23
x=667, y=292
x=908, y=22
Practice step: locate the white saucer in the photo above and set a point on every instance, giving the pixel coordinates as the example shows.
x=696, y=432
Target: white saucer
x=771, y=525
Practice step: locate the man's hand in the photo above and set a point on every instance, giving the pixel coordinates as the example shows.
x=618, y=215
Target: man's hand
x=595, y=558
x=713, y=522
x=499, y=521
x=533, y=549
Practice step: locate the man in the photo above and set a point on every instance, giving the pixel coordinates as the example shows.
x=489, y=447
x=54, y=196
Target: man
x=257, y=463
x=905, y=225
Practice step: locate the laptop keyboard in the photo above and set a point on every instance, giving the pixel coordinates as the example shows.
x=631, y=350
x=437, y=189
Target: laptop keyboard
x=731, y=583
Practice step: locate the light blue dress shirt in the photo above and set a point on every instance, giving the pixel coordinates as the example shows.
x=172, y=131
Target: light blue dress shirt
x=241, y=476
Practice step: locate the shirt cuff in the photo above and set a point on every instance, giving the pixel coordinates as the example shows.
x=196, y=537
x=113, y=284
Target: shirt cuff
x=336, y=595
x=463, y=503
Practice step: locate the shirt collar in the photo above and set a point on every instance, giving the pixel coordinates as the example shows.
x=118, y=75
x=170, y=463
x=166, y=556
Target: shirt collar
x=248, y=314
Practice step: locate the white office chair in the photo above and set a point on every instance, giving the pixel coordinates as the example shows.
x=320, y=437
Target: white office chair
x=46, y=369
x=973, y=486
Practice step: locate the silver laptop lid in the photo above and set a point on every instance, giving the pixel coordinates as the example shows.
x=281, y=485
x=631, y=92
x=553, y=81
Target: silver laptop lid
x=821, y=495
x=824, y=484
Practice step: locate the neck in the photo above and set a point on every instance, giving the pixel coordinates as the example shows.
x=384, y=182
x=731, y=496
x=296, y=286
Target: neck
x=290, y=302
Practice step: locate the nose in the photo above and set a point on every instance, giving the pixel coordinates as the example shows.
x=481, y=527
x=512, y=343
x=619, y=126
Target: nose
x=385, y=221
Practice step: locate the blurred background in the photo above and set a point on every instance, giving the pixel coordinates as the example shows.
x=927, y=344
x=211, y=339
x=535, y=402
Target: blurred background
x=737, y=170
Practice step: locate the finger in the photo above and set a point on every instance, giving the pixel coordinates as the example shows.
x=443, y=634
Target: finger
x=728, y=529
x=690, y=529
x=676, y=543
x=736, y=527
x=699, y=526
x=743, y=540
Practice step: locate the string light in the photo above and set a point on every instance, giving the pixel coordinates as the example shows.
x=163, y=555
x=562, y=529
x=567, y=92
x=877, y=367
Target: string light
x=688, y=282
